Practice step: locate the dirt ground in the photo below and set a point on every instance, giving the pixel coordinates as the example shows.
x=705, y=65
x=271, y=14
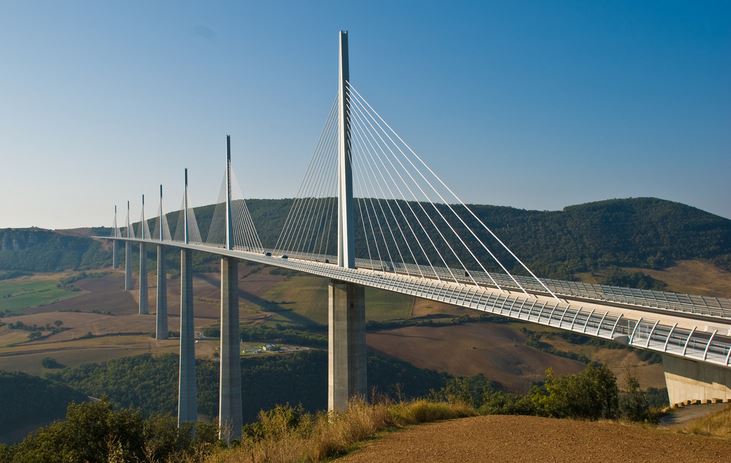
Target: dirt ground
x=534, y=439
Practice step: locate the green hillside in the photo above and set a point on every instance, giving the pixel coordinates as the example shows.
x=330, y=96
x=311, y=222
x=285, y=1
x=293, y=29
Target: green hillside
x=39, y=250
x=150, y=382
x=635, y=232
x=28, y=400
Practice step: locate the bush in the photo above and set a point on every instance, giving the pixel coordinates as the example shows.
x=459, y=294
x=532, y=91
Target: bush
x=591, y=394
x=95, y=432
x=51, y=363
x=505, y=403
x=634, y=404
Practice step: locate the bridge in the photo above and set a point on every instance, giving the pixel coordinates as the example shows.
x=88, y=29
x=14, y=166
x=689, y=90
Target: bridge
x=370, y=212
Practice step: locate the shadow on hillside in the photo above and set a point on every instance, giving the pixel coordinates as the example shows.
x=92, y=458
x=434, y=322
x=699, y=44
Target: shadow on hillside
x=268, y=306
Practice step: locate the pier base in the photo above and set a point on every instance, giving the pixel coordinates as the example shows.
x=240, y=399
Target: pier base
x=692, y=382
x=187, y=400
x=346, y=344
x=127, y=267
x=144, y=304
x=230, y=414
x=161, y=310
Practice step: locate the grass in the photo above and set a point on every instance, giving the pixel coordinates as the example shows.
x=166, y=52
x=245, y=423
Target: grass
x=283, y=435
x=21, y=293
x=716, y=424
x=687, y=276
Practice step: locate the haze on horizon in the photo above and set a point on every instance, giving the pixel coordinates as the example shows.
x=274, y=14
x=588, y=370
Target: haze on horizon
x=529, y=104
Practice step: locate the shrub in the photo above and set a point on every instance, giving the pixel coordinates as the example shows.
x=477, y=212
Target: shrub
x=93, y=432
x=51, y=363
x=591, y=394
x=633, y=402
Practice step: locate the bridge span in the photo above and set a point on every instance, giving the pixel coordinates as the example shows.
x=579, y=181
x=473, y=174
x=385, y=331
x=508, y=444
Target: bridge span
x=400, y=228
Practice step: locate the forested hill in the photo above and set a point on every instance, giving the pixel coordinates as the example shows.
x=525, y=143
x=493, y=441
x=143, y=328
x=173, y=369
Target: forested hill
x=39, y=250
x=641, y=232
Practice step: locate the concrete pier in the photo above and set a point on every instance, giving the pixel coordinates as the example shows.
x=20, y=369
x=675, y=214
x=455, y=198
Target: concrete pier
x=230, y=414
x=187, y=400
x=346, y=344
x=695, y=382
x=127, y=267
x=114, y=254
x=144, y=305
x=161, y=312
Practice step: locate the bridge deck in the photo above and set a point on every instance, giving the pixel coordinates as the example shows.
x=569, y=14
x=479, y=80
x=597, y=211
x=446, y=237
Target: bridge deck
x=674, y=329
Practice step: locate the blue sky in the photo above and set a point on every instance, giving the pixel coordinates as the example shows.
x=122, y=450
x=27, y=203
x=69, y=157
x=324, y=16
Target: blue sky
x=536, y=105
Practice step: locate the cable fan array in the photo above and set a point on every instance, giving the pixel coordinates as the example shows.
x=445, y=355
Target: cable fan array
x=407, y=220
x=194, y=233
x=244, y=236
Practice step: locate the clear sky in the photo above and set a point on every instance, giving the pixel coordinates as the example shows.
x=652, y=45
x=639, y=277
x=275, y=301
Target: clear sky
x=535, y=105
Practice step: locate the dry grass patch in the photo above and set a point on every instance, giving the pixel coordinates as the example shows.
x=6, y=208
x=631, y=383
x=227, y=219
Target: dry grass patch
x=284, y=434
x=716, y=424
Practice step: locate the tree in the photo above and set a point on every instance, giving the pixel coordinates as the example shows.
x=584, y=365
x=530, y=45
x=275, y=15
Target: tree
x=633, y=404
x=591, y=394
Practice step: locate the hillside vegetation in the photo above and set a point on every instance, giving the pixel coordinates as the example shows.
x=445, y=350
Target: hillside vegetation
x=150, y=382
x=27, y=400
x=38, y=250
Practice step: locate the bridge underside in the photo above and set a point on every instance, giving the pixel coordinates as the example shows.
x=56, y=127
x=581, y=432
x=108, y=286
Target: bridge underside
x=694, y=382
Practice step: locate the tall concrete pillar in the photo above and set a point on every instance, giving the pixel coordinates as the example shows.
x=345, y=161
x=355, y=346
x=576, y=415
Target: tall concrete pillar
x=161, y=314
x=144, y=307
x=143, y=302
x=230, y=414
x=187, y=400
x=115, y=233
x=346, y=344
x=127, y=256
x=346, y=302
x=127, y=267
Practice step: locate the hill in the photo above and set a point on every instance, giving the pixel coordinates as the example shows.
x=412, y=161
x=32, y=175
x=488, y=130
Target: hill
x=634, y=232
x=39, y=250
x=28, y=402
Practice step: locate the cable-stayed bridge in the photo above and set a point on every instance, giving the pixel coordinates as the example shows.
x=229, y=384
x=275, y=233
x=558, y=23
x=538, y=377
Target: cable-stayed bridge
x=370, y=212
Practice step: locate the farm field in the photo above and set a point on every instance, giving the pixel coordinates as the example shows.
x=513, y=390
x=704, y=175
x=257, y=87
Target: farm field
x=496, y=350
x=499, y=352
x=24, y=292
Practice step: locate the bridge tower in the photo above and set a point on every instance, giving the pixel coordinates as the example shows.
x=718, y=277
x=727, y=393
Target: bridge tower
x=161, y=312
x=187, y=394
x=127, y=257
x=230, y=414
x=144, y=307
x=346, y=301
x=115, y=233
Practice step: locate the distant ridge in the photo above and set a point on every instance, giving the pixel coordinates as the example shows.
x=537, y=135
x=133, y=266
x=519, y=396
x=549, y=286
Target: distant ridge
x=633, y=232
